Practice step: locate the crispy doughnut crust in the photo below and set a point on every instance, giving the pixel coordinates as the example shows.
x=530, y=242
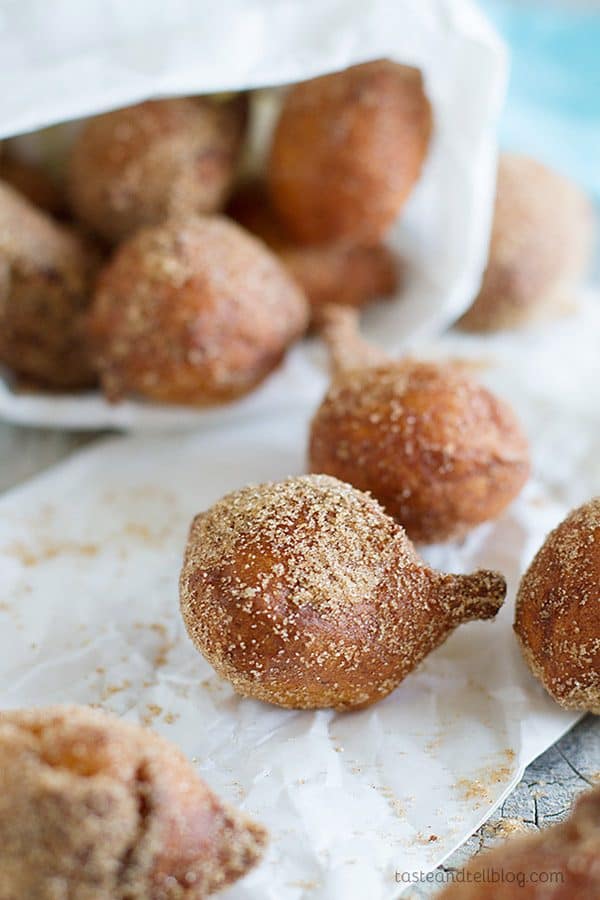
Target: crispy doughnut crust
x=139, y=165
x=193, y=311
x=558, y=611
x=540, y=247
x=347, y=150
x=304, y=593
x=439, y=451
x=94, y=808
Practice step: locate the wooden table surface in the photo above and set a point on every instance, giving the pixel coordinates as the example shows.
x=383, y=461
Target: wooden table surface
x=549, y=785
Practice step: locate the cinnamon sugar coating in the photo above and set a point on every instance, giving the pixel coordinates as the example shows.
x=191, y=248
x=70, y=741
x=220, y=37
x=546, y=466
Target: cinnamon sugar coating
x=139, y=165
x=540, y=247
x=304, y=593
x=193, y=311
x=440, y=452
x=558, y=863
x=46, y=281
x=558, y=611
x=340, y=272
x=95, y=808
x=347, y=150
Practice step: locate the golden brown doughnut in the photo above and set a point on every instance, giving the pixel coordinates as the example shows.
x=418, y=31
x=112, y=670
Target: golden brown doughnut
x=140, y=165
x=558, y=611
x=440, y=452
x=347, y=150
x=46, y=282
x=342, y=272
x=540, y=247
x=193, y=311
x=95, y=808
x=559, y=863
x=304, y=593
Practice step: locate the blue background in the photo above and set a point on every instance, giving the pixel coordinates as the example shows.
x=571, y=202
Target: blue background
x=553, y=105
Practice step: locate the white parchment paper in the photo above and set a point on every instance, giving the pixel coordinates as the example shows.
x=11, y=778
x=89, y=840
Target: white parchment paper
x=89, y=558
x=70, y=59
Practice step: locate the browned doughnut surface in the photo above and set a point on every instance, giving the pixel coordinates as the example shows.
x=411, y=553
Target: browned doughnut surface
x=94, y=808
x=341, y=272
x=33, y=183
x=304, y=593
x=137, y=166
x=440, y=453
x=193, y=311
x=349, y=275
x=46, y=281
x=540, y=247
x=560, y=863
x=558, y=611
x=347, y=150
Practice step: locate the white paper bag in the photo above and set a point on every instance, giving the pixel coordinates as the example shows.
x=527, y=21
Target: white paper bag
x=70, y=59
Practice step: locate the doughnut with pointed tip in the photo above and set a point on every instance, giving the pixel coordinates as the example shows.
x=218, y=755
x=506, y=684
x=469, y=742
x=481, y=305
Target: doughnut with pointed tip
x=305, y=594
x=92, y=806
x=439, y=451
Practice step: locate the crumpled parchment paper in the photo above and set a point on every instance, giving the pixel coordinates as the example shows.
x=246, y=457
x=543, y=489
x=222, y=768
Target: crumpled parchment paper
x=356, y=802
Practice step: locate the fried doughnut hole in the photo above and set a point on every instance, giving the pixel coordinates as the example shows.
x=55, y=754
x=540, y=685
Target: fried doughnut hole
x=540, y=247
x=558, y=611
x=139, y=165
x=347, y=150
x=193, y=311
x=440, y=452
x=95, y=808
x=305, y=594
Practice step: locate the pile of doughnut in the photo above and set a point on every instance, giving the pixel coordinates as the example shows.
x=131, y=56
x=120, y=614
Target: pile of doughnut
x=174, y=263
x=167, y=272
